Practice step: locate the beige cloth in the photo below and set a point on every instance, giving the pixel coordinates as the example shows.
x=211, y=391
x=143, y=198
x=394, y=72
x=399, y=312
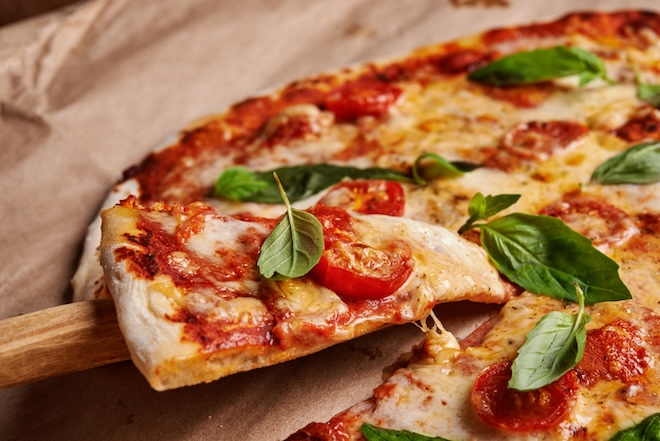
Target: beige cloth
x=87, y=91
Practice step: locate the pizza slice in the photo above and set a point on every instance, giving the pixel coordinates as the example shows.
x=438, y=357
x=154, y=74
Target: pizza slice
x=464, y=390
x=193, y=305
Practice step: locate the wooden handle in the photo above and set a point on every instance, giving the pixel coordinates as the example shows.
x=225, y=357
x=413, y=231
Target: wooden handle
x=59, y=340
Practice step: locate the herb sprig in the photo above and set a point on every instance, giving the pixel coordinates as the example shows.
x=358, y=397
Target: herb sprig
x=303, y=181
x=646, y=91
x=294, y=246
x=542, y=65
x=553, y=347
x=542, y=254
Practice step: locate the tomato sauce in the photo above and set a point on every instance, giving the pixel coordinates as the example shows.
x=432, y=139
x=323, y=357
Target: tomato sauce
x=166, y=254
x=214, y=336
x=524, y=96
x=461, y=61
x=296, y=127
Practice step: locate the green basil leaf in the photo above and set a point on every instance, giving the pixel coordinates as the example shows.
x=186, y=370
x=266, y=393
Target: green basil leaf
x=646, y=430
x=373, y=433
x=649, y=93
x=294, y=246
x=429, y=166
x=542, y=65
x=482, y=207
x=639, y=164
x=303, y=181
x=464, y=166
x=238, y=183
x=552, y=348
x=544, y=256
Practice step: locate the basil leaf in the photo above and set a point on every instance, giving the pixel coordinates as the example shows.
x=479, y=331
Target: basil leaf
x=373, y=433
x=238, y=183
x=552, y=348
x=482, y=207
x=646, y=430
x=649, y=93
x=294, y=246
x=639, y=164
x=542, y=65
x=302, y=181
x=543, y=255
x=438, y=167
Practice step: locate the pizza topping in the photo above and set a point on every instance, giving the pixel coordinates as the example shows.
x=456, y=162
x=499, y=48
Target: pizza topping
x=594, y=218
x=482, y=207
x=553, y=347
x=613, y=352
x=645, y=91
x=639, y=164
x=512, y=410
x=353, y=269
x=175, y=253
x=368, y=197
x=525, y=96
x=362, y=97
x=222, y=334
x=646, y=430
x=644, y=125
x=539, y=254
x=294, y=246
x=333, y=430
x=373, y=433
x=303, y=181
x=430, y=166
x=300, y=181
x=542, y=65
x=538, y=140
x=461, y=61
x=303, y=121
x=534, y=141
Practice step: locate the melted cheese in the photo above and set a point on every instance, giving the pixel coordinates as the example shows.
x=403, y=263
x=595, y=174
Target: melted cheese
x=207, y=271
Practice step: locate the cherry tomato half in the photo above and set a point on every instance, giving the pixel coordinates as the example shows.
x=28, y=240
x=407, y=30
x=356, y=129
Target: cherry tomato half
x=353, y=269
x=368, y=197
x=362, y=98
x=516, y=411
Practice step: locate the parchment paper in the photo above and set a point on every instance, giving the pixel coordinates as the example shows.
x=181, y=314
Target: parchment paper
x=87, y=91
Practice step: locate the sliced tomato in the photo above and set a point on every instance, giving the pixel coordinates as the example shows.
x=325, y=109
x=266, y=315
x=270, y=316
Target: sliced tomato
x=538, y=140
x=613, y=352
x=368, y=197
x=362, y=98
x=353, y=269
x=516, y=411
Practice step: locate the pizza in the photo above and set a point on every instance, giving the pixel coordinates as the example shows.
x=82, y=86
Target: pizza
x=193, y=306
x=519, y=166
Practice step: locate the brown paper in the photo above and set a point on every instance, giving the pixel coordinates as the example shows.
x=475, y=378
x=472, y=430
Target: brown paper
x=87, y=91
